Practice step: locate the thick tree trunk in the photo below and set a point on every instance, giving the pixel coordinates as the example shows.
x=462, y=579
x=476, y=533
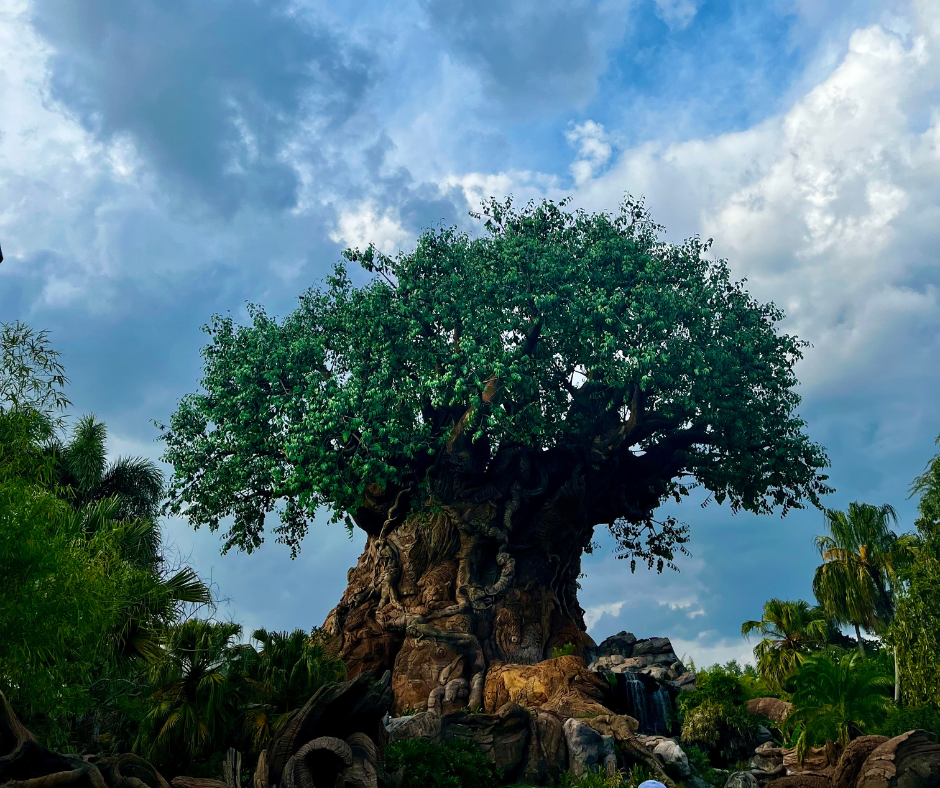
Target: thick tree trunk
x=445, y=591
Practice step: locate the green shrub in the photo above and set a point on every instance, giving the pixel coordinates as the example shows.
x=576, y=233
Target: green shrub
x=698, y=760
x=567, y=650
x=715, y=716
x=908, y=718
x=453, y=764
x=598, y=779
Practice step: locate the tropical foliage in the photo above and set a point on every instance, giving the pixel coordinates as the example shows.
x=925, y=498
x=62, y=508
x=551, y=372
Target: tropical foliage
x=789, y=632
x=915, y=633
x=714, y=716
x=84, y=589
x=451, y=764
x=838, y=697
x=288, y=669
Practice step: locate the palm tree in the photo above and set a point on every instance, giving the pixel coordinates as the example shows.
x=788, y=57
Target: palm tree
x=289, y=668
x=199, y=691
x=125, y=495
x=86, y=477
x=837, y=699
x=856, y=582
x=790, y=631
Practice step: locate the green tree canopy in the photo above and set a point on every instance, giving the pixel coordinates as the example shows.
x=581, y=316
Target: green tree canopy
x=580, y=337
x=915, y=630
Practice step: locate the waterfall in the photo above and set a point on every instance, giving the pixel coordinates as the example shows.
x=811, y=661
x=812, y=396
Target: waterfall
x=662, y=706
x=636, y=699
x=650, y=707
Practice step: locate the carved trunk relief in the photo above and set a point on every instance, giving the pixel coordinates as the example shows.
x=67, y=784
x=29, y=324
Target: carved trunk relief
x=442, y=591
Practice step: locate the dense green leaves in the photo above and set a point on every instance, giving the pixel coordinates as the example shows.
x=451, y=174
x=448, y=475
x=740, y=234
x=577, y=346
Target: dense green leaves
x=915, y=631
x=838, y=697
x=580, y=336
x=789, y=632
x=84, y=589
x=715, y=715
x=857, y=579
x=451, y=764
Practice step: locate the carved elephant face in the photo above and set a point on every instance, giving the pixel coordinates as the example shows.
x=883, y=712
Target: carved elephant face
x=418, y=670
x=518, y=635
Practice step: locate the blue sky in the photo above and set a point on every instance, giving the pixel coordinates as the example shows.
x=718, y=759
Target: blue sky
x=162, y=161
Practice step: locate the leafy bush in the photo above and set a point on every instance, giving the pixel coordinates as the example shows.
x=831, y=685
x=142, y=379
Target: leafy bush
x=453, y=764
x=715, y=715
x=838, y=697
x=908, y=718
x=598, y=779
x=567, y=650
x=698, y=760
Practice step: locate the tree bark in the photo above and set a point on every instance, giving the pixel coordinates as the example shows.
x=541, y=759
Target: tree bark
x=858, y=637
x=443, y=590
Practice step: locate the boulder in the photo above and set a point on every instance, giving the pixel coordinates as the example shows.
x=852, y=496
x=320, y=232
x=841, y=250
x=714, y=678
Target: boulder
x=742, y=780
x=853, y=758
x=685, y=682
x=675, y=759
x=197, y=782
x=911, y=760
x=503, y=737
x=799, y=781
x=620, y=644
x=653, y=646
x=773, y=709
x=547, y=755
x=588, y=750
x=563, y=685
x=767, y=762
x=425, y=725
x=818, y=760
x=697, y=782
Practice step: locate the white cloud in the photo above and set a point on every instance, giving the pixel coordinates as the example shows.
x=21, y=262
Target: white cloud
x=593, y=148
x=831, y=209
x=596, y=612
x=690, y=607
x=364, y=224
x=709, y=648
x=678, y=14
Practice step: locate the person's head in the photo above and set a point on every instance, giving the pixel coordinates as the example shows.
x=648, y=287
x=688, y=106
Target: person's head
x=652, y=784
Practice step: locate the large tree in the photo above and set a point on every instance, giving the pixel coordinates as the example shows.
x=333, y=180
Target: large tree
x=478, y=407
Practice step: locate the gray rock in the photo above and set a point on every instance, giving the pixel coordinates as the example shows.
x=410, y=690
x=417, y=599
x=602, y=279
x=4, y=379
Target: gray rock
x=415, y=726
x=742, y=780
x=547, y=755
x=697, y=782
x=671, y=754
x=653, y=646
x=503, y=736
x=588, y=750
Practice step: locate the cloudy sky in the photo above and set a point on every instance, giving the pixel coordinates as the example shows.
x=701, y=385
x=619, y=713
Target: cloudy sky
x=163, y=160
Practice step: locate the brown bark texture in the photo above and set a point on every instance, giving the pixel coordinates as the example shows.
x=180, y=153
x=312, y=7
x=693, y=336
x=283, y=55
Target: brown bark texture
x=453, y=582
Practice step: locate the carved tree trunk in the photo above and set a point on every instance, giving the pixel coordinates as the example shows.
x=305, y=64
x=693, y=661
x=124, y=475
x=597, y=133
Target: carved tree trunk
x=443, y=590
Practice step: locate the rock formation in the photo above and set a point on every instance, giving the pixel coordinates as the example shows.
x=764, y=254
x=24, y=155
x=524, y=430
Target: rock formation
x=24, y=763
x=773, y=709
x=911, y=760
x=336, y=739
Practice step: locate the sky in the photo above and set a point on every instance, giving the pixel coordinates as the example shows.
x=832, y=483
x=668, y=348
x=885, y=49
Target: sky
x=165, y=160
